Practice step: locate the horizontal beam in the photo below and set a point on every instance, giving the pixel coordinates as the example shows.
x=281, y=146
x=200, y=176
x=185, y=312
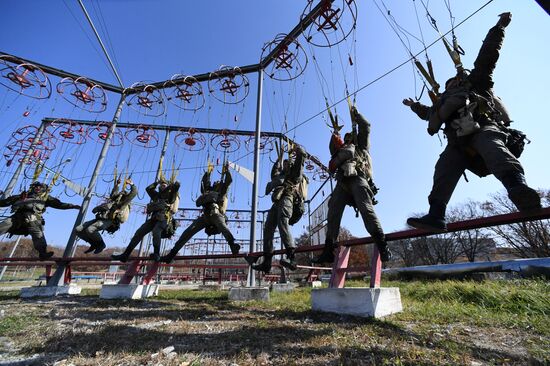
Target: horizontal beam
x=504, y=219
x=199, y=78
x=61, y=73
x=279, y=135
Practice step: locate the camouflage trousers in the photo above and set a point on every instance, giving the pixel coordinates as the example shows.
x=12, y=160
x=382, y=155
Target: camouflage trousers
x=277, y=217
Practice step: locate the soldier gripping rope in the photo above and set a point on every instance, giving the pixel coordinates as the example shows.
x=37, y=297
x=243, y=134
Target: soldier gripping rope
x=288, y=188
x=108, y=216
x=213, y=200
x=164, y=203
x=28, y=207
x=351, y=163
x=478, y=137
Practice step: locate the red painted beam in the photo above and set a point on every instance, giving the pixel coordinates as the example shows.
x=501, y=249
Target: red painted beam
x=478, y=223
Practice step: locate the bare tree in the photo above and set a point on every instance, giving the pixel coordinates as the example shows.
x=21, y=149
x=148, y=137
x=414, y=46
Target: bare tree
x=439, y=249
x=529, y=239
x=474, y=243
x=404, y=251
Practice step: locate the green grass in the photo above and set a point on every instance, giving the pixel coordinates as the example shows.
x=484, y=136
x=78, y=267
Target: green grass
x=14, y=324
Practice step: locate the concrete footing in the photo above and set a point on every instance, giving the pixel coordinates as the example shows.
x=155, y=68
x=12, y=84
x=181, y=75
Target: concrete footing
x=360, y=301
x=132, y=291
x=49, y=291
x=283, y=287
x=249, y=293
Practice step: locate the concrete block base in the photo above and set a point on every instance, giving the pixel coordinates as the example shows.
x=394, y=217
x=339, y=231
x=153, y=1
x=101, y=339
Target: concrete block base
x=49, y=291
x=249, y=293
x=283, y=287
x=132, y=291
x=360, y=301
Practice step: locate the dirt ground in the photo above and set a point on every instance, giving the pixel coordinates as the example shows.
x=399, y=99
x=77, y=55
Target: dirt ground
x=204, y=328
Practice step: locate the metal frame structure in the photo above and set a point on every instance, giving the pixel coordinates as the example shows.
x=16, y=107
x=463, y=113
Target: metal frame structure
x=59, y=275
x=339, y=268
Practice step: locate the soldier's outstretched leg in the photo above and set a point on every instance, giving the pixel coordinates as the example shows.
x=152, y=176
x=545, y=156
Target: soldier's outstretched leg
x=269, y=231
x=448, y=170
x=156, y=233
x=490, y=143
x=89, y=232
x=36, y=232
x=218, y=220
x=336, y=205
x=362, y=196
x=286, y=204
x=143, y=230
x=5, y=225
x=195, y=227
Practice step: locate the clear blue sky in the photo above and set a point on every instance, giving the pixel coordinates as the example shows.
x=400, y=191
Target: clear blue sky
x=152, y=40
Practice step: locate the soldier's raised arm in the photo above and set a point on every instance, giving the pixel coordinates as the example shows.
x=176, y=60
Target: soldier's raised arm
x=363, y=126
x=481, y=76
x=151, y=190
x=128, y=197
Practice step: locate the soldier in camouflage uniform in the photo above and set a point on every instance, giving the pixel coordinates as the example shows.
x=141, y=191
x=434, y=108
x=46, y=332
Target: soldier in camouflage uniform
x=352, y=164
x=160, y=223
x=213, y=200
x=108, y=217
x=287, y=197
x=477, y=135
x=28, y=208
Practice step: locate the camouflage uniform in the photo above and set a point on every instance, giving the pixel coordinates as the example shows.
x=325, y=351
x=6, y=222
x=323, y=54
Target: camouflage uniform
x=159, y=221
x=105, y=219
x=285, y=187
x=213, y=200
x=484, y=151
x=354, y=187
x=28, y=209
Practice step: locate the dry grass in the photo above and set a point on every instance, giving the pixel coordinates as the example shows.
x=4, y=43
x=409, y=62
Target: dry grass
x=206, y=329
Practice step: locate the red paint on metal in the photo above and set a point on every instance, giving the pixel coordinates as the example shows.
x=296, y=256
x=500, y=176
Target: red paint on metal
x=339, y=267
x=130, y=273
x=151, y=273
x=375, y=268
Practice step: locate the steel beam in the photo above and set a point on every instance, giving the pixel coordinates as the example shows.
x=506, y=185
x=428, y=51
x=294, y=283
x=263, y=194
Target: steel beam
x=61, y=73
x=294, y=33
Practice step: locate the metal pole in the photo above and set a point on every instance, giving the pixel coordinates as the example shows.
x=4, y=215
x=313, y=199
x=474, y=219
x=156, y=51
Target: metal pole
x=251, y=280
x=15, y=177
x=57, y=278
x=309, y=220
x=11, y=255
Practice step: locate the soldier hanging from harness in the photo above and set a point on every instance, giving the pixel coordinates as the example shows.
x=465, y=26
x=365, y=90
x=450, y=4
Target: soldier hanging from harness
x=213, y=200
x=108, y=216
x=164, y=203
x=288, y=188
x=28, y=209
x=478, y=137
x=351, y=164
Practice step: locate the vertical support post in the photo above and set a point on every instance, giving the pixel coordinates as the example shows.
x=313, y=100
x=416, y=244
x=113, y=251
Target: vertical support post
x=17, y=173
x=375, y=268
x=57, y=278
x=15, y=245
x=251, y=279
x=309, y=221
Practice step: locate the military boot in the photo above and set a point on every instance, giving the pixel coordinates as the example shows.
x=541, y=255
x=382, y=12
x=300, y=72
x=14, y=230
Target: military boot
x=90, y=249
x=265, y=266
x=289, y=262
x=234, y=248
x=522, y=196
x=384, y=250
x=123, y=257
x=168, y=258
x=327, y=256
x=156, y=254
x=99, y=248
x=434, y=221
x=44, y=255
